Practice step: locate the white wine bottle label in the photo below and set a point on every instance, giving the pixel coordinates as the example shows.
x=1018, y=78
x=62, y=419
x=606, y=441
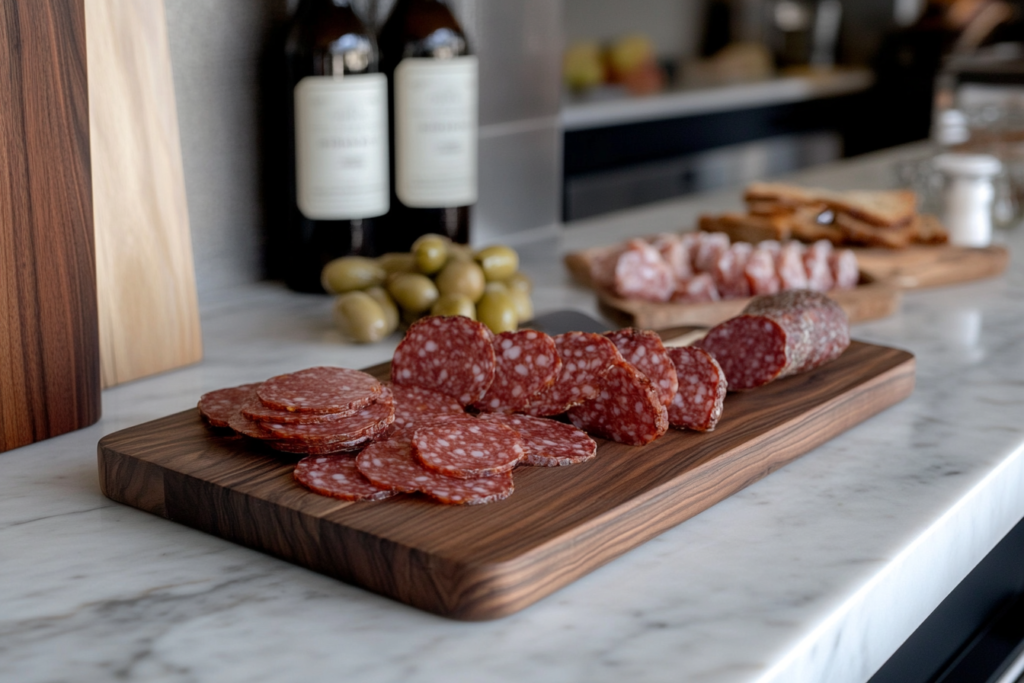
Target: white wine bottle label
x=435, y=132
x=341, y=146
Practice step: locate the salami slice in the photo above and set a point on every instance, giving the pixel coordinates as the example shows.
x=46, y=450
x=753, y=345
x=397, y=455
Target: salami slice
x=698, y=403
x=527, y=363
x=391, y=464
x=760, y=272
x=374, y=418
x=259, y=411
x=219, y=406
x=337, y=476
x=585, y=358
x=416, y=404
x=676, y=253
x=789, y=264
x=729, y=271
x=699, y=289
x=548, y=443
x=453, y=355
x=467, y=448
x=817, y=264
x=845, y=270
x=641, y=273
x=645, y=351
x=324, y=447
x=777, y=336
x=320, y=390
x=628, y=409
x=709, y=248
x=243, y=425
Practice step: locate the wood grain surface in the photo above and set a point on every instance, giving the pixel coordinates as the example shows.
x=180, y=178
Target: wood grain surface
x=149, y=317
x=488, y=561
x=49, y=359
x=932, y=266
x=871, y=299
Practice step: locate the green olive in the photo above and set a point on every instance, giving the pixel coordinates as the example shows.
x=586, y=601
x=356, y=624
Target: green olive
x=454, y=304
x=523, y=304
x=497, y=311
x=351, y=272
x=519, y=280
x=496, y=287
x=414, y=292
x=459, y=252
x=462, y=277
x=387, y=304
x=431, y=252
x=499, y=262
x=397, y=262
x=359, y=317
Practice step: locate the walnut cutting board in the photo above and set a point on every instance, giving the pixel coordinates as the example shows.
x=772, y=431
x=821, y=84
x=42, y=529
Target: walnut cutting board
x=488, y=561
x=932, y=266
x=148, y=313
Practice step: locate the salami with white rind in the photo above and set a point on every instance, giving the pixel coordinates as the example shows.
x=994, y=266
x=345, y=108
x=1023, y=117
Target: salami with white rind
x=337, y=476
x=645, y=351
x=627, y=410
x=320, y=390
x=699, y=402
x=526, y=364
x=453, y=355
x=585, y=358
x=778, y=336
x=548, y=443
x=219, y=406
x=467, y=448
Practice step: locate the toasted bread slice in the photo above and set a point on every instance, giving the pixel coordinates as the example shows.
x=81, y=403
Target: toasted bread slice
x=807, y=226
x=858, y=232
x=882, y=207
x=741, y=227
x=931, y=230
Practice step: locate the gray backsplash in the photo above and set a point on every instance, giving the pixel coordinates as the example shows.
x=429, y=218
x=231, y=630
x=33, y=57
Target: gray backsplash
x=216, y=47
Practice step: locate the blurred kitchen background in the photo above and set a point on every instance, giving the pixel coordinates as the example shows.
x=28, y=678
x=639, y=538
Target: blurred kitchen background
x=592, y=106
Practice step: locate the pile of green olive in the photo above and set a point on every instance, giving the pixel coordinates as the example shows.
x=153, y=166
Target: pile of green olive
x=438, y=277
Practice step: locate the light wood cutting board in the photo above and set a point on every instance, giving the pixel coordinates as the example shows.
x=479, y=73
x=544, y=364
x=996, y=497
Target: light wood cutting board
x=148, y=312
x=483, y=562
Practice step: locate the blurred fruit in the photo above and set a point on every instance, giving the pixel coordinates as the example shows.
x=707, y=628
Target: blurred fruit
x=359, y=317
x=454, y=304
x=627, y=54
x=582, y=67
x=497, y=310
x=349, y=273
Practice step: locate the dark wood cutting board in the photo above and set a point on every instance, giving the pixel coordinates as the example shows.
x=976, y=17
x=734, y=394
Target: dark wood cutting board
x=488, y=561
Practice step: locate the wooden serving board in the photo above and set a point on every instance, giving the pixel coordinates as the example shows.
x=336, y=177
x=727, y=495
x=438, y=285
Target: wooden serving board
x=932, y=266
x=871, y=299
x=488, y=561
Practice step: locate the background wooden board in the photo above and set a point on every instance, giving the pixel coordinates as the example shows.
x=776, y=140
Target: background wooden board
x=870, y=300
x=49, y=357
x=148, y=312
x=487, y=561
x=932, y=266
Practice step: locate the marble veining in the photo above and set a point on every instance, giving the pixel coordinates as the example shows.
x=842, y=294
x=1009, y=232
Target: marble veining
x=816, y=573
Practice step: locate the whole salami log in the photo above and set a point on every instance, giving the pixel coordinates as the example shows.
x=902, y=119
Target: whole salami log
x=527, y=363
x=645, y=351
x=547, y=443
x=585, y=358
x=777, y=336
x=698, y=403
x=453, y=355
x=337, y=476
x=467, y=447
x=627, y=410
x=219, y=406
x=320, y=390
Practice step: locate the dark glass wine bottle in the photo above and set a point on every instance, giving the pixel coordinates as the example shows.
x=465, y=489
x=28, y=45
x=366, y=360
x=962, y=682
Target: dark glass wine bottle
x=432, y=87
x=339, y=169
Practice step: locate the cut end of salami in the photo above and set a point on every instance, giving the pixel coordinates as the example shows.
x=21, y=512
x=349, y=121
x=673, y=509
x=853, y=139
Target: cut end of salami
x=450, y=354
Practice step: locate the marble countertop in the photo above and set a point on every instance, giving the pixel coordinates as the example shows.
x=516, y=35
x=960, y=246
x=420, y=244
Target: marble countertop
x=816, y=573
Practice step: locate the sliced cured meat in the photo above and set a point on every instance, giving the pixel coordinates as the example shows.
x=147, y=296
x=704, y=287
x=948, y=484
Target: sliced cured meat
x=817, y=265
x=676, y=253
x=628, y=409
x=467, y=447
x=320, y=390
x=374, y=418
x=337, y=476
x=526, y=363
x=709, y=248
x=585, y=358
x=789, y=264
x=219, y=406
x=845, y=270
x=391, y=464
x=645, y=351
x=453, y=355
x=259, y=411
x=243, y=425
x=729, y=271
x=323, y=447
x=641, y=273
x=760, y=272
x=777, y=336
x=698, y=403
x=699, y=289
x=416, y=404
x=548, y=443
